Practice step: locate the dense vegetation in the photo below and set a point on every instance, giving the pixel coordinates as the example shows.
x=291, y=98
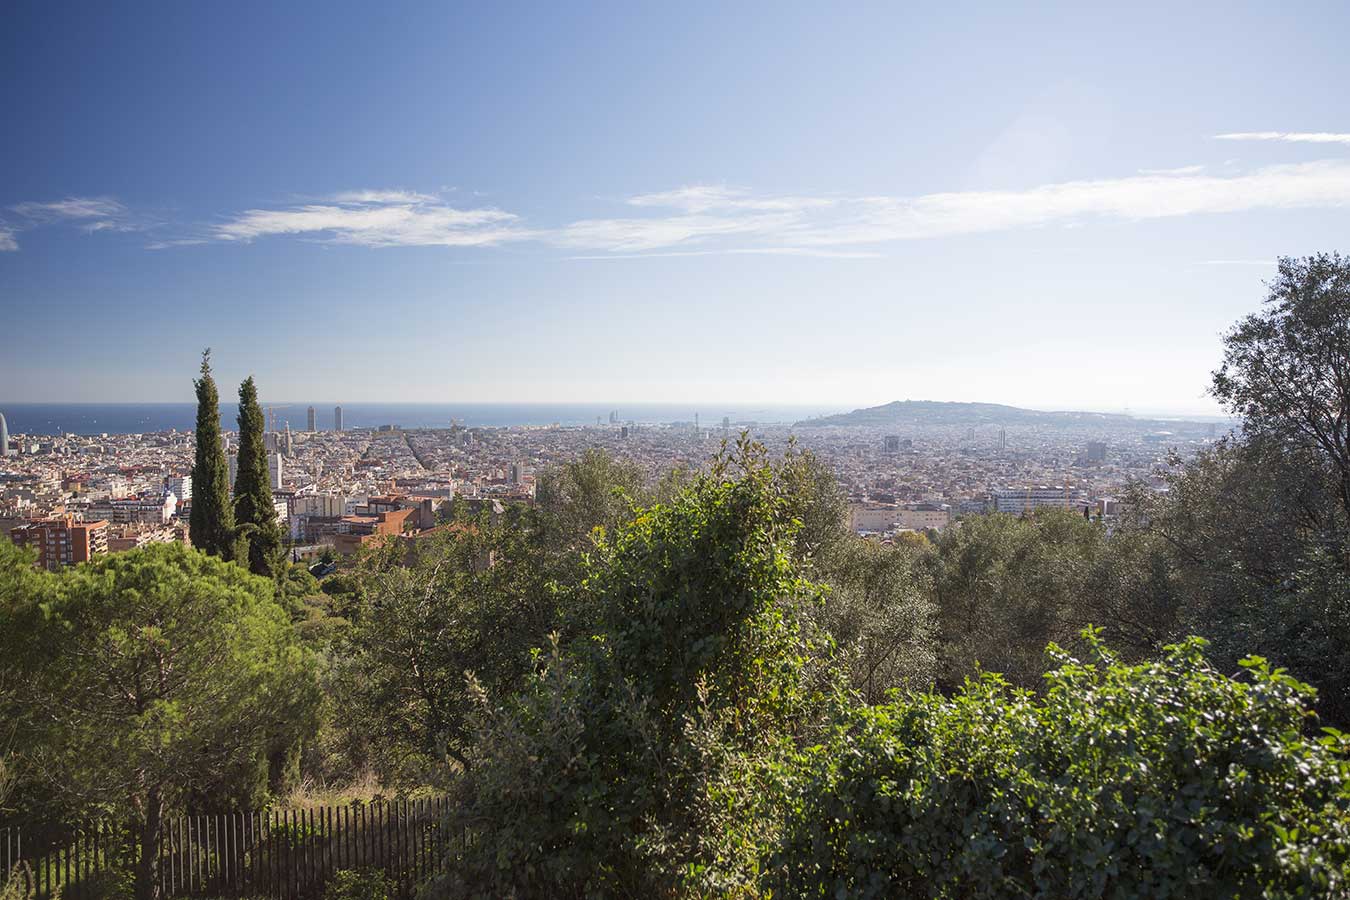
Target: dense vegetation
x=707, y=687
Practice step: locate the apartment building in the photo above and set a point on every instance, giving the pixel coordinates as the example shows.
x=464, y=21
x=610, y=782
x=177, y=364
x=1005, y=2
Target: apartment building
x=61, y=540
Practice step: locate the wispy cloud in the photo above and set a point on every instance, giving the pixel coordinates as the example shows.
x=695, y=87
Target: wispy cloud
x=383, y=197
x=704, y=197
x=701, y=215
x=703, y=219
x=180, y=242
x=636, y=235
x=737, y=251
x=378, y=219
x=89, y=214
x=1180, y=170
x=101, y=208
x=1238, y=262
x=1290, y=137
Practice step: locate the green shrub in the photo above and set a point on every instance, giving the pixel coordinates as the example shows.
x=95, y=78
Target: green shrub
x=357, y=884
x=1166, y=779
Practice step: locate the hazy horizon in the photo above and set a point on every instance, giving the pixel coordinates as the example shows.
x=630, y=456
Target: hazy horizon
x=324, y=408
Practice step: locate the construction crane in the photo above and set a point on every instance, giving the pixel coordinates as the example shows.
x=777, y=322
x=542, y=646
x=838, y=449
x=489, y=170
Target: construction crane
x=272, y=414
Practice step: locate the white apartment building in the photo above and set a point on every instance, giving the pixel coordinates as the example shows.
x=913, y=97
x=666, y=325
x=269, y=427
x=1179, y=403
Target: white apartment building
x=143, y=511
x=872, y=517
x=181, y=486
x=921, y=516
x=1023, y=500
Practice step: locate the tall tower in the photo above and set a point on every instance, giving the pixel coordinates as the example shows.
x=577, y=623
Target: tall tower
x=311, y=427
x=337, y=418
x=4, y=437
x=290, y=448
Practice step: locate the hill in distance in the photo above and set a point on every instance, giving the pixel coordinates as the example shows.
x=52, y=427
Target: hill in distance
x=934, y=412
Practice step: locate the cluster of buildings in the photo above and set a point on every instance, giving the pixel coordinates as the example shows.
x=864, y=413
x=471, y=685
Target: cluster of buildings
x=74, y=496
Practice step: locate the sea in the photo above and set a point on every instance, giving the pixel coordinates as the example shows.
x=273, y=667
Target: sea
x=139, y=418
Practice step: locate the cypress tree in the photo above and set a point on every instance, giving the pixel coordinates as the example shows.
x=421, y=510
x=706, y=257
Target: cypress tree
x=253, y=510
x=212, y=523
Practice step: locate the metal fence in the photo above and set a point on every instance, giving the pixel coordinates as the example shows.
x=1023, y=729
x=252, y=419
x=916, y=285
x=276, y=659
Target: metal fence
x=277, y=854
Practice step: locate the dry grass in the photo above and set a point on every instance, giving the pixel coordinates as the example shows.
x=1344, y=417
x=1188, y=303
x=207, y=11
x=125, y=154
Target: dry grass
x=365, y=787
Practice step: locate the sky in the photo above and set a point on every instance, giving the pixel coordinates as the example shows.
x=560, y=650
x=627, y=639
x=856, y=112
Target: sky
x=1057, y=206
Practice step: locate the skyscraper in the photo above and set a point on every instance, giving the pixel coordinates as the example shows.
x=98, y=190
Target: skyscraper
x=337, y=418
x=311, y=420
x=274, y=471
x=4, y=436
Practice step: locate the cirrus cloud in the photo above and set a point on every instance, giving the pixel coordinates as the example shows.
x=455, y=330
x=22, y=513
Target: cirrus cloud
x=374, y=218
x=89, y=214
x=1288, y=137
x=704, y=214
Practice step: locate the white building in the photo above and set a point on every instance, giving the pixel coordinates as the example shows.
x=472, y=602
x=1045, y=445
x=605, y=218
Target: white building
x=274, y=472
x=324, y=505
x=180, y=486
x=872, y=517
x=1023, y=500
x=921, y=516
x=143, y=511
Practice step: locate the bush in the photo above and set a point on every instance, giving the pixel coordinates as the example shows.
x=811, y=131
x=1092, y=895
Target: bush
x=357, y=884
x=1165, y=779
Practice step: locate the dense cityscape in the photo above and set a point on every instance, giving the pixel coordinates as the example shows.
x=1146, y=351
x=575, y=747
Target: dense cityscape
x=339, y=488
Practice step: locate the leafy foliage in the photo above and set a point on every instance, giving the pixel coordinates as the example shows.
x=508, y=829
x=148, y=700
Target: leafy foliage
x=576, y=497
x=162, y=676
x=1007, y=586
x=878, y=612
x=588, y=781
x=352, y=884
x=424, y=618
x=1165, y=779
x=1286, y=370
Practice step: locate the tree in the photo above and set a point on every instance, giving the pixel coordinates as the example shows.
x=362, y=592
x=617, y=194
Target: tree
x=595, y=491
x=1243, y=531
x=253, y=505
x=633, y=761
x=815, y=501
x=212, y=523
x=425, y=616
x=1286, y=370
x=1007, y=586
x=163, y=676
x=879, y=612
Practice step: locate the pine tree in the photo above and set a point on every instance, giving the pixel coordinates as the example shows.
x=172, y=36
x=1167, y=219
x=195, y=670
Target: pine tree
x=253, y=509
x=212, y=522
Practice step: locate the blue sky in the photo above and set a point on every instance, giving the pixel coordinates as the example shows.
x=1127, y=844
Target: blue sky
x=827, y=203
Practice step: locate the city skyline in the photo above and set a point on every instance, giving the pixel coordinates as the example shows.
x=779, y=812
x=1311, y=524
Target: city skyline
x=1048, y=208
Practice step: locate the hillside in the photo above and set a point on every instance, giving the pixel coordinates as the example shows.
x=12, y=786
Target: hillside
x=933, y=412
